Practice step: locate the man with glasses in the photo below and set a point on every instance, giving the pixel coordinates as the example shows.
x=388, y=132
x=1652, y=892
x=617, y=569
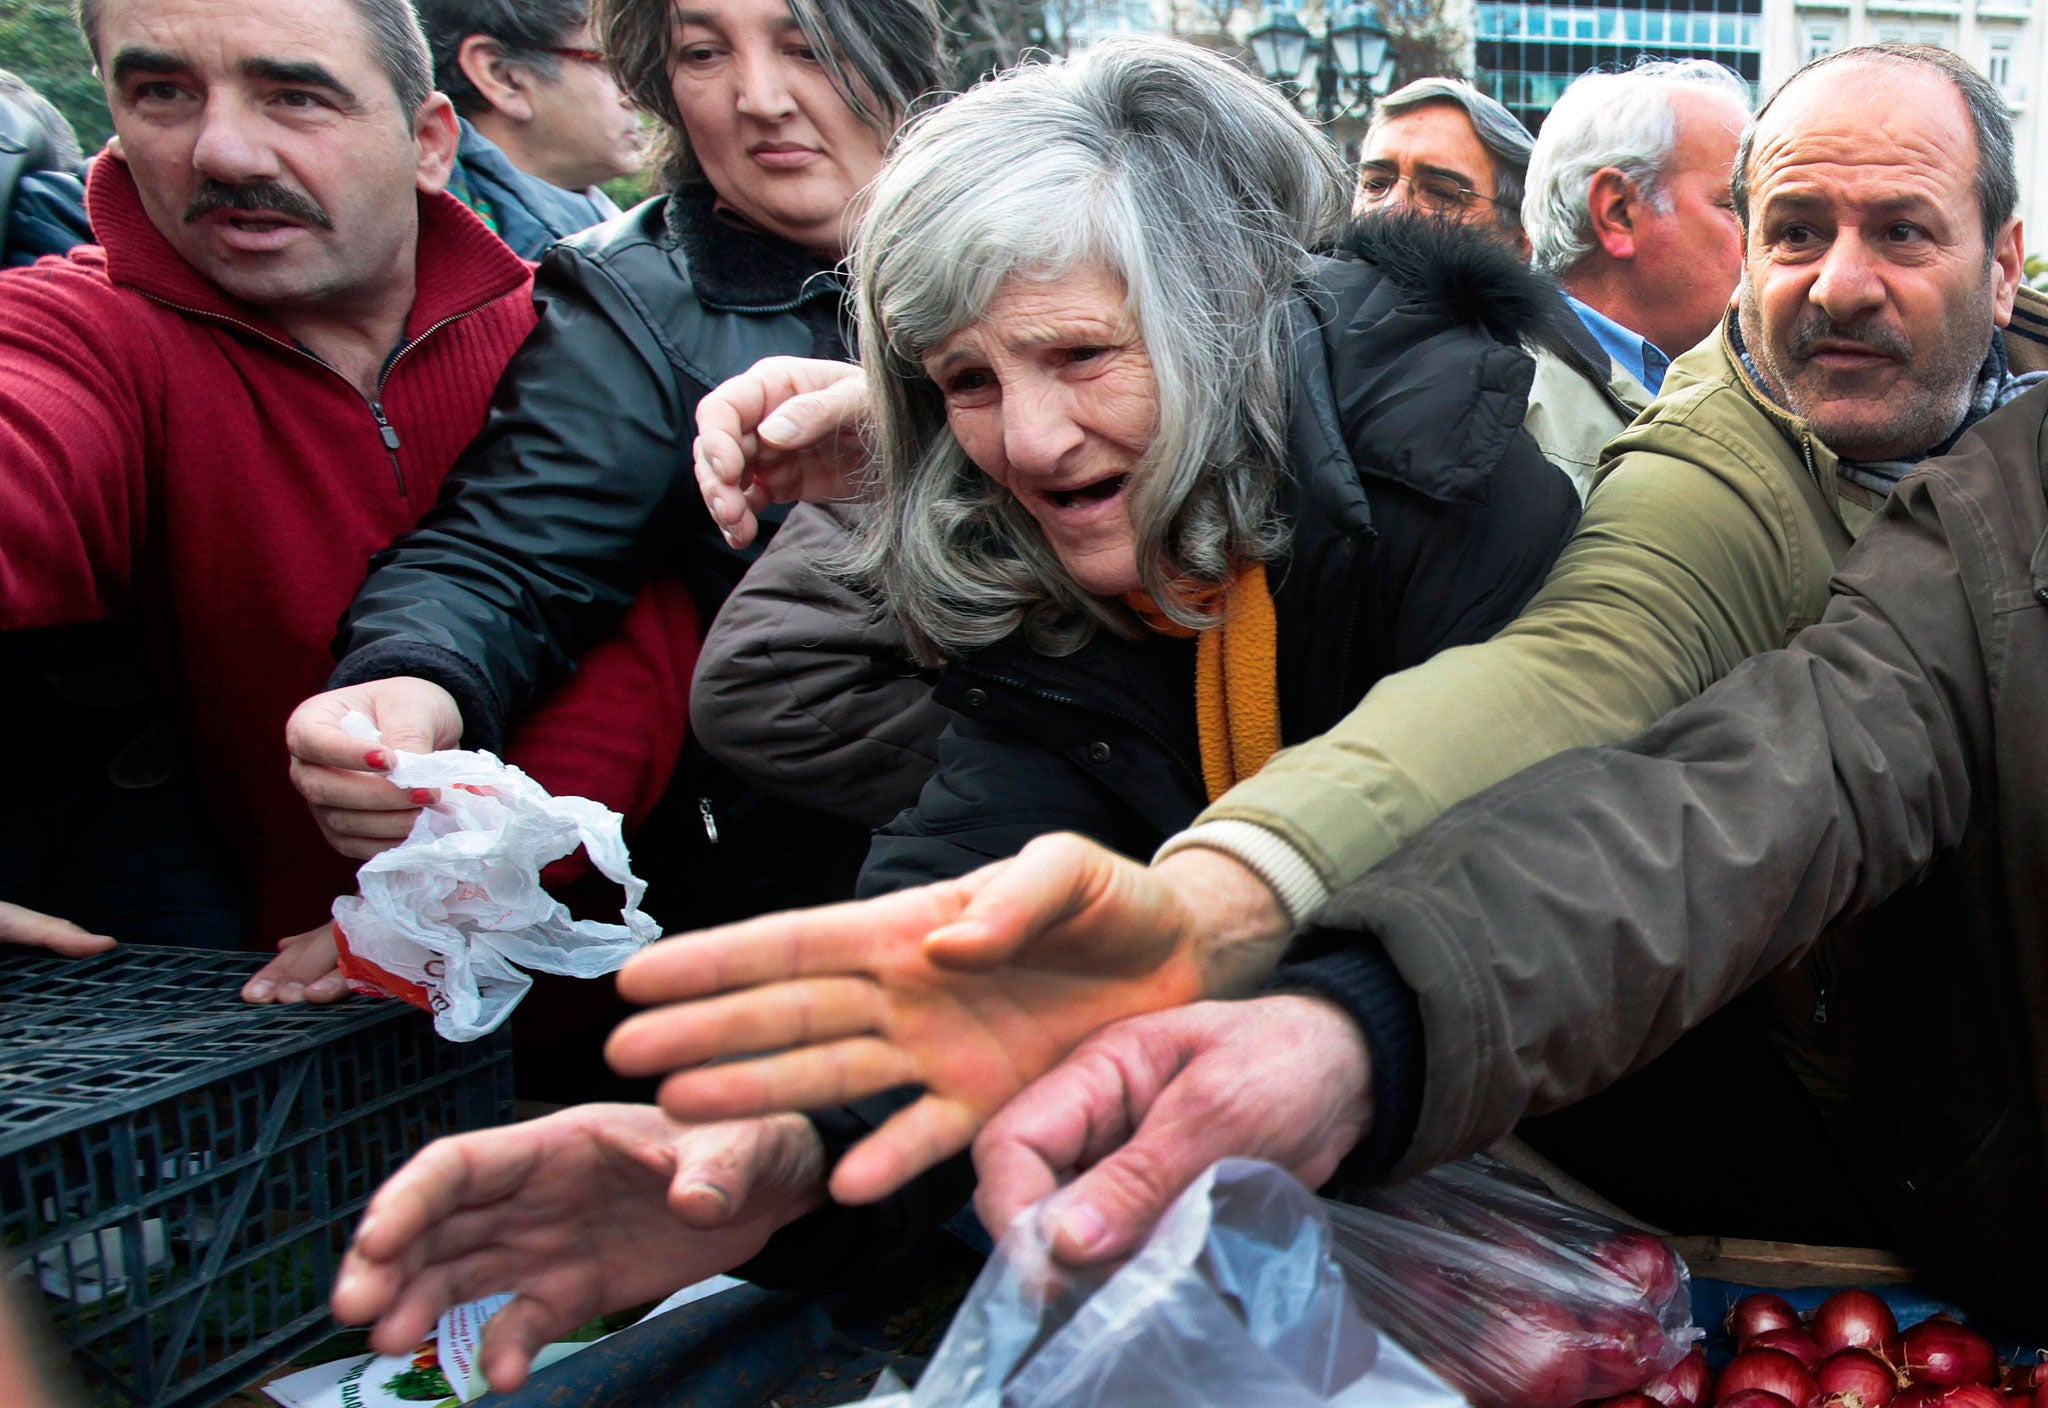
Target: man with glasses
x=544, y=124
x=1442, y=147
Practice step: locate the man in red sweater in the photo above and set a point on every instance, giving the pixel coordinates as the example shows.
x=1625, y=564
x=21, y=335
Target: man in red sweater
x=211, y=422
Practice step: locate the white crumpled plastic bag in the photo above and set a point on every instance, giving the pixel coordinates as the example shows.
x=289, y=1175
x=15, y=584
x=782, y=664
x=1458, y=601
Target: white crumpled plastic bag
x=1235, y=1302
x=445, y=916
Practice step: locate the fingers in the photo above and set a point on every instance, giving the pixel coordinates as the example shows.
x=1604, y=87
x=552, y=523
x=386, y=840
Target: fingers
x=305, y=970
x=812, y=1079
x=829, y=940
x=762, y=1019
x=1054, y=1127
x=513, y=1336
x=413, y=716
x=724, y=1180
x=1015, y=901
x=46, y=931
x=813, y=417
x=910, y=1141
x=755, y=430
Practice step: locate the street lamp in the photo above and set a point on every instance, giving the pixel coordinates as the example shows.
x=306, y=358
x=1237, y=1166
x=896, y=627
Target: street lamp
x=1352, y=64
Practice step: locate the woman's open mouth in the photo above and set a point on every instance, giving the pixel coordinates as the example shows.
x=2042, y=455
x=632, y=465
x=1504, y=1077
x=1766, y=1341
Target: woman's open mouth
x=1101, y=491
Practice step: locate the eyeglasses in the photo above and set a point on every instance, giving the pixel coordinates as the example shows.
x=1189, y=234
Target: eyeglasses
x=588, y=56
x=1439, y=195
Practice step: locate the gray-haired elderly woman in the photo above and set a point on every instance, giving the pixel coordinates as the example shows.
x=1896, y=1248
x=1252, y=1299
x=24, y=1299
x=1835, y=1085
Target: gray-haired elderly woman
x=1163, y=491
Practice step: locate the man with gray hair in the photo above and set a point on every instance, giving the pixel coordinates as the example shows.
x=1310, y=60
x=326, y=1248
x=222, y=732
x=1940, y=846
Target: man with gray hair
x=1441, y=147
x=544, y=123
x=1630, y=206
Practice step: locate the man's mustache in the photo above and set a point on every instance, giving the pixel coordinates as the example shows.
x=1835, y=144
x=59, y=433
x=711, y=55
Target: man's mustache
x=256, y=197
x=1815, y=327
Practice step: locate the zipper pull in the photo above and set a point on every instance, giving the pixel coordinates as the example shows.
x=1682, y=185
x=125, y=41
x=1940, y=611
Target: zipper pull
x=710, y=821
x=384, y=427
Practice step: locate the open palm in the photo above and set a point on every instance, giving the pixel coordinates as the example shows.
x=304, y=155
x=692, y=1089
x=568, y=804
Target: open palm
x=970, y=988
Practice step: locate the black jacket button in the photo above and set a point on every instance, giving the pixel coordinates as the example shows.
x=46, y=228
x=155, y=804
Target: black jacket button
x=976, y=698
x=1098, y=752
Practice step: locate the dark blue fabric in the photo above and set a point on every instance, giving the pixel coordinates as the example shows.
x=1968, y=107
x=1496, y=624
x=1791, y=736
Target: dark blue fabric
x=528, y=213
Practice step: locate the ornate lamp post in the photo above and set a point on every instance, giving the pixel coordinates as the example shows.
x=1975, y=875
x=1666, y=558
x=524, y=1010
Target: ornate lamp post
x=1352, y=64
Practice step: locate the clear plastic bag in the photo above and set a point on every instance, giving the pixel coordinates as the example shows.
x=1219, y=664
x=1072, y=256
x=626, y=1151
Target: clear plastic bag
x=1517, y=1299
x=449, y=917
x=1234, y=1302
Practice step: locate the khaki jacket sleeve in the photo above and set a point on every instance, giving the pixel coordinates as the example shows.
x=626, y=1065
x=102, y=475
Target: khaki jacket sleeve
x=1689, y=559
x=1567, y=926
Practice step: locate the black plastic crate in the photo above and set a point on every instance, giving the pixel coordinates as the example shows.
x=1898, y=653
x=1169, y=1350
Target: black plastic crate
x=180, y=1172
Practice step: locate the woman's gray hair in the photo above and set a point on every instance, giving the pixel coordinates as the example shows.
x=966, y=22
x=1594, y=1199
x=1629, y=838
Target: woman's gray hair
x=1624, y=120
x=1501, y=134
x=1200, y=190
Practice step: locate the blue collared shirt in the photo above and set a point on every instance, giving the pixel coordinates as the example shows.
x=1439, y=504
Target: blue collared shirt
x=1634, y=352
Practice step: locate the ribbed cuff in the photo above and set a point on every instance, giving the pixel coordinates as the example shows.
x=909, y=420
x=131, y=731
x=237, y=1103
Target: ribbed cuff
x=1359, y=977
x=1268, y=855
x=483, y=721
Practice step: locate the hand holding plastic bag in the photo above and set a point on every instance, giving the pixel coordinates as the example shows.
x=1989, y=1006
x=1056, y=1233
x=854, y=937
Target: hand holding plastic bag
x=1235, y=1302
x=444, y=917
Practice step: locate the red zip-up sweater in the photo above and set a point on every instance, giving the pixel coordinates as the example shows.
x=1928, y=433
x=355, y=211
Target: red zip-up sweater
x=167, y=450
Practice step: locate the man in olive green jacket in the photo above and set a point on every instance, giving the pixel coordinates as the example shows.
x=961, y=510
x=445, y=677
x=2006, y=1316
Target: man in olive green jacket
x=1882, y=250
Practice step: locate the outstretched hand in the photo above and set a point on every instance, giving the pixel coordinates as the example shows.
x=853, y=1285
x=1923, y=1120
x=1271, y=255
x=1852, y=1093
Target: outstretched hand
x=970, y=988
x=342, y=778
x=786, y=430
x=591, y=1210
x=1131, y=1118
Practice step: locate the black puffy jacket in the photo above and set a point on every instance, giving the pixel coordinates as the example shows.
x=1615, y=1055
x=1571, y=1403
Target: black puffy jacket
x=1421, y=516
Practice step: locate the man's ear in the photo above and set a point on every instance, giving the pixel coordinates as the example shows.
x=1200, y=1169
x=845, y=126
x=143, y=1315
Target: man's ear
x=2009, y=257
x=501, y=82
x=436, y=133
x=1611, y=201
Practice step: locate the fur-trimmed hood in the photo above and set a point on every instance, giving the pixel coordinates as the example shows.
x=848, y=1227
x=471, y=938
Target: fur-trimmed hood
x=1462, y=272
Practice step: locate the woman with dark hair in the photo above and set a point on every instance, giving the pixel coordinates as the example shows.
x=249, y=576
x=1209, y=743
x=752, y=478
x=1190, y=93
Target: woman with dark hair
x=775, y=114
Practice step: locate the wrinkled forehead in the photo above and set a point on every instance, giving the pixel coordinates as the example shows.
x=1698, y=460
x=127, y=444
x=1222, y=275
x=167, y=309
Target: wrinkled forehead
x=1880, y=130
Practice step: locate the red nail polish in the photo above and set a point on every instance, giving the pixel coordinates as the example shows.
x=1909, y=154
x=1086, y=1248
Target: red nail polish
x=376, y=759
x=421, y=796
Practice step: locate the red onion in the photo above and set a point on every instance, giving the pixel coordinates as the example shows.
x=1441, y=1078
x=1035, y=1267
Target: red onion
x=1772, y=1370
x=1943, y=1352
x=1686, y=1384
x=1853, y=1319
x=1628, y=1400
x=1856, y=1378
x=1971, y=1396
x=1918, y=1396
x=1796, y=1343
x=1754, y=1398
x=1532, y=1356
x=1643, y=1262
x=1754, y=1314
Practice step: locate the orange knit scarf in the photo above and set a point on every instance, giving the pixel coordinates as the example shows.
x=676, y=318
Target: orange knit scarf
x=1237, y=678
